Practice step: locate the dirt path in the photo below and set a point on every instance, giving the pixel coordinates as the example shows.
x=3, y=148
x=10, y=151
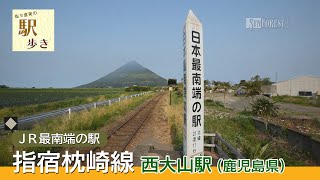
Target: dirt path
x=299, y=111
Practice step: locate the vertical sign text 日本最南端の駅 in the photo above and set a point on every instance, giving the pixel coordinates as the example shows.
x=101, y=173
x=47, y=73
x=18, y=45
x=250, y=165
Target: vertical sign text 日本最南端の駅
x=193, y=87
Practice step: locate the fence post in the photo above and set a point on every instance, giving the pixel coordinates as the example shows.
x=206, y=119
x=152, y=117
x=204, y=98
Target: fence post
x=95, y=105
x=109, y=102
x=119, y=100
x=212, y=141
x=69, y=113
x=170, y=97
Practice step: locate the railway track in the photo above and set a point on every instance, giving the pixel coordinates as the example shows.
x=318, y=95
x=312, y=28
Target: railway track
x=122, y=135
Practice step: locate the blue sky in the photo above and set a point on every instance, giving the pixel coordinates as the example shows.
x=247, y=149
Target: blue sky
x=93, y=38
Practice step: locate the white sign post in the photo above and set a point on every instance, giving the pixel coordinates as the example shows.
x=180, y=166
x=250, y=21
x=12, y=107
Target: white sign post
x=193, y=89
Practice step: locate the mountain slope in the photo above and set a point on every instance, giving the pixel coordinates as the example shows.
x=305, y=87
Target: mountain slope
x=129, y=74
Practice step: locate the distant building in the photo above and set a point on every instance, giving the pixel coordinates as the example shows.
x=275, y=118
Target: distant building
x=269, y=90
x=300, y=86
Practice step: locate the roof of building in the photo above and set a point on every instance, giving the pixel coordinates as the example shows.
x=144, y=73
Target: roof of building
x=297, y=78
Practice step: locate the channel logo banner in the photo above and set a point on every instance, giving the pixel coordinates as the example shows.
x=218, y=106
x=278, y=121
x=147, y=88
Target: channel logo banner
x=32, y=30
x=266, y=23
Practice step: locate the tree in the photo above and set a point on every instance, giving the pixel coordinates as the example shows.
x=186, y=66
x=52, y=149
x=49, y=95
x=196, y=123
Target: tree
x=256, y=78
x=218, y=85
x=253, y=87
x=3, y=86
x=242, y=82
x=206, y=82
x=172, y=82
x=266, y=81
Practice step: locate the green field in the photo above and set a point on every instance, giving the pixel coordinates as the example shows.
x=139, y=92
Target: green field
x=304, y=101
x=24, y=102
x=22, y=96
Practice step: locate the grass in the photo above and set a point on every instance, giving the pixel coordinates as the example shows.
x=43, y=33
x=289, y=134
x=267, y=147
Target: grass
x=304, y=101
x=175, y=119
x=84, y=120
x=93, y=119
x=237, y=129
x=5, y=151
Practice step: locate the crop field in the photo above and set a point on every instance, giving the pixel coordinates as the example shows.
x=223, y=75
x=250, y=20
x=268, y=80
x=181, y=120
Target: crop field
x=25, y=102
x=22, y=96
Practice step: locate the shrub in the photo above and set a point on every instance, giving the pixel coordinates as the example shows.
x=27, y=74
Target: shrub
x=264, y=107
x=210, y=102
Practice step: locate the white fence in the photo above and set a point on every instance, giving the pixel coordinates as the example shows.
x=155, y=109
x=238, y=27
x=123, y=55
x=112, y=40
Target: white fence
x=69, y=110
